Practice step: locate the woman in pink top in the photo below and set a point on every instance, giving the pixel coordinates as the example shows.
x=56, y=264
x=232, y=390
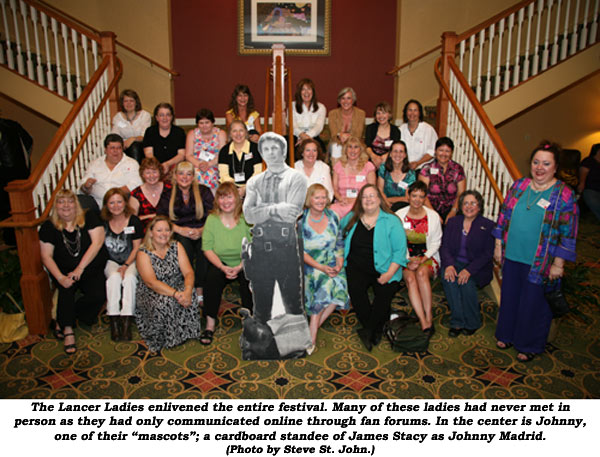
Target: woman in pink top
x=350, y=174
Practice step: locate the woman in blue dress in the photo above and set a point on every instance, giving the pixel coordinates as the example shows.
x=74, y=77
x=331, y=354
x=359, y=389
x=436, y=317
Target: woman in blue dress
x=325, y=282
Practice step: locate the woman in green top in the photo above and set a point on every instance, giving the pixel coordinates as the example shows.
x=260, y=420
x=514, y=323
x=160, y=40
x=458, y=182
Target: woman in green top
x=224, y=230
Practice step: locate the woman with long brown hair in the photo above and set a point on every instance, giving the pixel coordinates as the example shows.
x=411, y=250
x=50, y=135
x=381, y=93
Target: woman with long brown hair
x=374, y=253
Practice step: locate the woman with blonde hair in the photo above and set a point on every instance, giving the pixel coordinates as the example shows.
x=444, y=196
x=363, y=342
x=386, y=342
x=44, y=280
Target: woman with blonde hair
x=123, y=235
x=350, y=174
x=325, y=284
x=224, y=231
x=167, y=307
x=71, y=244
x=345, y=122
x=187, y=204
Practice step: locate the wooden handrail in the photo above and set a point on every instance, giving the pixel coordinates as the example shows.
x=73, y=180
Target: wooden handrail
x=397, y=68
x=485, y=24
x=498, y=143
x=73, y=19
x=65, y=18
x=28, y=184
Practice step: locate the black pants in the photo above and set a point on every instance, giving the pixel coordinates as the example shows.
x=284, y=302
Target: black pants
x=85, y=308
x=372, y=316
x=276, y=256
x=136, y=151
x=193, y=249
x=213, y=290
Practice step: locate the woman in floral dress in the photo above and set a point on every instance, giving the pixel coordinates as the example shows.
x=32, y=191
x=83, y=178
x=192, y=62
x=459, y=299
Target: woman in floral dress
x=325, y=285
x=202, y=148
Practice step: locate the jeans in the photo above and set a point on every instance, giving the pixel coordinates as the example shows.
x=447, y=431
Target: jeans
x=463, y=302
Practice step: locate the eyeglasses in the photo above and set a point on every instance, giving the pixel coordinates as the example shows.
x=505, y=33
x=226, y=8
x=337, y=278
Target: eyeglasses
x=470, y=203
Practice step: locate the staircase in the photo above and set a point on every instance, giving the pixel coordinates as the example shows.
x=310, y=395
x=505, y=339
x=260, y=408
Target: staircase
x=504, y=65
x=63, y=65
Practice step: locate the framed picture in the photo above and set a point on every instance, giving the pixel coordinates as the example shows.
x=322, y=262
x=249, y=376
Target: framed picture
x=303, y=27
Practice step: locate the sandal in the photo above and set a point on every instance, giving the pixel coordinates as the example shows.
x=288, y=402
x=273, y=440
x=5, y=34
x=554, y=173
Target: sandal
x=526, y=357
x=206, y=337
x=70, y=349
x=502, y=345
x=58, y=332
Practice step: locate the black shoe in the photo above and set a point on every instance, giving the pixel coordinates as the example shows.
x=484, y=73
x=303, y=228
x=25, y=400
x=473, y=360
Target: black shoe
x=454, y=332
x=364, y=336
x=376, y=339
x=126, y=328
x=115, y=328
x=468, y=332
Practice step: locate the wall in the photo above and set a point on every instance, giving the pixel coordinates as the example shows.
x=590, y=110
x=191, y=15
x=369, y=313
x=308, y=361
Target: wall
x=205, y=51
x=421, y=24
x=144, y=25
x=571, y=118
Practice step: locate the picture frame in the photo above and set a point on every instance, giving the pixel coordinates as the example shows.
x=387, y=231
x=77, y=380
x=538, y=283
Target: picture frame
x=303, y=27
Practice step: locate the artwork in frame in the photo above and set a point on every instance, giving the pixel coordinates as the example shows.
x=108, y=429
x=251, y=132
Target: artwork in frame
x=303, y=27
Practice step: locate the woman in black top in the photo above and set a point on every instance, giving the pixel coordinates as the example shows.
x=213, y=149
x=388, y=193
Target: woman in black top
x=123, y=235
x=187, y=205
x=164, y=140
x=239, y=159
x=71, y=244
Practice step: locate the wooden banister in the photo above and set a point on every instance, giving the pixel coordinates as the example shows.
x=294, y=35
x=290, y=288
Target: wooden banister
x=73, y=20
x=29, y=183
x=397, y=68
x=491, y=130
x=485, y=24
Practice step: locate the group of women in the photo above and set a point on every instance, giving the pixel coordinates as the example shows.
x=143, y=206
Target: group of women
x=388, y=209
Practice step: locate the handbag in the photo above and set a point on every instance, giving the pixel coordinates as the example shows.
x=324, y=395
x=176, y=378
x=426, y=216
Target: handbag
x=13, y=327
x=405, y=335
x=556, y=299
x=553, y=289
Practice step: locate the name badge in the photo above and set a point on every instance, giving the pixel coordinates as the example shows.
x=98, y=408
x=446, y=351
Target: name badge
x=250, y=121
x=121, y=124
x=360, y=178
x=403, y=185
x=239, y=177
x=387, y=143
x=351, y=193
x=543, y=203
x=434, y=171
x=129, y=230
x=248, y=156
x=206, y=156
x=406, y=225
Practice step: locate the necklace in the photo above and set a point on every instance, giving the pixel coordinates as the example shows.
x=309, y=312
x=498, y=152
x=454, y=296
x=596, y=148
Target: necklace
x=73, y=247
x=366, y=224
x=316, y=221
x=536, y=198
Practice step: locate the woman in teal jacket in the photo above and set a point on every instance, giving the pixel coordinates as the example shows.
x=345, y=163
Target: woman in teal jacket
x=374, y=252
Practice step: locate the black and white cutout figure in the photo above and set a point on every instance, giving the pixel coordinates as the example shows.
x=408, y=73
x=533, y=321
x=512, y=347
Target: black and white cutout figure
x=273, y=261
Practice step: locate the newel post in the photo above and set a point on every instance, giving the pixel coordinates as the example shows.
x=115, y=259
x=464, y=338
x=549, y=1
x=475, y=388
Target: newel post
x=35, y=284
x=449, y=40
x=109, y=48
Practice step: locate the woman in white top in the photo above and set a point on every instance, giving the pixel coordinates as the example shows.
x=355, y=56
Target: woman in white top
x=309, y=115
x=315, y=170
x=130, y=124
x=419, y=136
x=423, y=230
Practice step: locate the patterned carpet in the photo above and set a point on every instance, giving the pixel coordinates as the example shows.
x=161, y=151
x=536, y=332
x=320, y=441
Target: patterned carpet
x=463, y=367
